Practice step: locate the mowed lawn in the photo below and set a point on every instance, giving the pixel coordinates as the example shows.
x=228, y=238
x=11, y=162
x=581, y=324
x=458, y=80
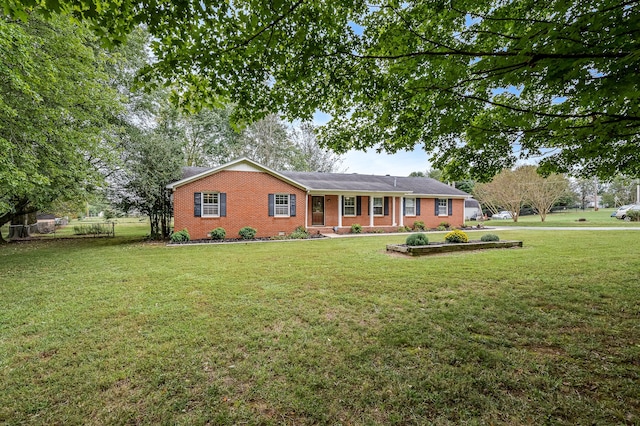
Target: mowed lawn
x=118, y=331
x=570, y=217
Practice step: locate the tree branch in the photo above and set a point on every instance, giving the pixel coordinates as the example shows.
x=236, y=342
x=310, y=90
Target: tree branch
x=535, y=57
x=265, y=28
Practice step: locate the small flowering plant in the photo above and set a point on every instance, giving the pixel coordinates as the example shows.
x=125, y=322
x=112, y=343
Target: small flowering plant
x=456, y=236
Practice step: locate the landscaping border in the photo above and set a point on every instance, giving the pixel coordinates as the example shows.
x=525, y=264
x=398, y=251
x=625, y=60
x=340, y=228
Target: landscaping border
x=450, y=247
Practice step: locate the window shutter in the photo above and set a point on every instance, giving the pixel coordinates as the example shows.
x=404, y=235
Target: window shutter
x=358, y=206
x=292, y=204
x=450, y=206
x=437, y=202
x=197, y=204
x=223, y=204
x=386, y=206
x=417, y=206
x=404, y=207
x=272, y=203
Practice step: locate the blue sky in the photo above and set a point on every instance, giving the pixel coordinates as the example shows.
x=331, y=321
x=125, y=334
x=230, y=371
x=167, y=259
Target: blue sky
x=372, y=163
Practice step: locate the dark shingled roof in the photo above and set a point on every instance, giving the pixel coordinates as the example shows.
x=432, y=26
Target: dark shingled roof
x=358, y=182
x=187, y=172
x=341, y=181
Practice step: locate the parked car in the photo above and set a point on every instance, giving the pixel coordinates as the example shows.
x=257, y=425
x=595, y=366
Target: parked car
x=477, y=216
x=622, y=213
x=502, y=215
x=625, y=207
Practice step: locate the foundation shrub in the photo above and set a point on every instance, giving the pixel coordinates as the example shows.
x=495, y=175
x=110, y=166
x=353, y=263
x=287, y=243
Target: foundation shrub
x=218, y=234
x=248, y=233
x=180, y=236
x=299, y=234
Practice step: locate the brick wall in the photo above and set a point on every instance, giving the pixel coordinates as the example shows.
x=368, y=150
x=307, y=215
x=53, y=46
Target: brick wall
x=247, y=204
x=428, y=216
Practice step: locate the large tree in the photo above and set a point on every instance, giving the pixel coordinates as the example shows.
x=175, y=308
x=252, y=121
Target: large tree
x=152, y=160
x=478, y=83
x=310, y=156
x=57, y=112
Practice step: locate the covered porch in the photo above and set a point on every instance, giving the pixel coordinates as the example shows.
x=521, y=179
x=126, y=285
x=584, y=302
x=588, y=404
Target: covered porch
x=374, y=211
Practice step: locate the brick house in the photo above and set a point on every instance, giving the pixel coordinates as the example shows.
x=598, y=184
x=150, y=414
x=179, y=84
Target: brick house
x=244, y=193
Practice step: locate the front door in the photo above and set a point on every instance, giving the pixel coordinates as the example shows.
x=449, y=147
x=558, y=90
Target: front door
x=317, y=211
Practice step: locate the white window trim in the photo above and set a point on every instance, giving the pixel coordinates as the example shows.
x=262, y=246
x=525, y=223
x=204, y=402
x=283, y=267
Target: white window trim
x=414, y=207
x=344, y=206
x=275, y=205
x=446, y=207
x=381, y=206
x=217, y=204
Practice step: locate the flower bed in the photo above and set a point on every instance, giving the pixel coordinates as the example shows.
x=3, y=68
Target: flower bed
x=436, y=248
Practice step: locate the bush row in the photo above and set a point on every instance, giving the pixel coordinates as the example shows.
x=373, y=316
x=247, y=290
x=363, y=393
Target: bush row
x=455, y=236
x=246, y=233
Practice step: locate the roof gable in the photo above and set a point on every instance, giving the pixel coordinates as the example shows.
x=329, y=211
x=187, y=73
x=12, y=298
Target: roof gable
x=191, y=174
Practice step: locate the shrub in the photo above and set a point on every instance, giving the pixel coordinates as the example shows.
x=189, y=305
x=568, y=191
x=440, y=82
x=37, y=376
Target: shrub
x=180, y=236
x=633, y=215
x=418, y=225
x=417, y=240
x=218, y=234
x=299, y=234
x=445, y=225
x=247, y=233
x=93, y=229
x=441, y=228
x=404, y=229
x=456, y=236
x=489, y=237
x=356, y=228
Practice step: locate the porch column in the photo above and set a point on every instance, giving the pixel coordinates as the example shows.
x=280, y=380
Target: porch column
x=401, y=210
x=370, y=210
x=306, y=210
x=339, y=211
x=393, y=211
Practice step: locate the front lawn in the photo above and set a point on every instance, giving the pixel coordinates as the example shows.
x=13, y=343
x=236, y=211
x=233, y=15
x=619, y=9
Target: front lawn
x=571, y=217
x=117, y=331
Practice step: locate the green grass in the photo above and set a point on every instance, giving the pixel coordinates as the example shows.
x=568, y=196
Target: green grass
x=601, y=218
x=117, y=331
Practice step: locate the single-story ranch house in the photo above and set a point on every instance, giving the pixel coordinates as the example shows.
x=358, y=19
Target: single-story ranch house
x=244, y=193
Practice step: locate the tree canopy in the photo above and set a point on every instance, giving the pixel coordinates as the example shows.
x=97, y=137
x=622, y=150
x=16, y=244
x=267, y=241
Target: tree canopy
x=56, y=114
x=480, y=84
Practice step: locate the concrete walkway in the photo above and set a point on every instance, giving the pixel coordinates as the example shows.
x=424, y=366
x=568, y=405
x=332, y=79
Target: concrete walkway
x=500, y=228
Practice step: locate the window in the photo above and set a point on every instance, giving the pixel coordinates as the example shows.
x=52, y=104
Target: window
x=409, y=206
x=282, y=205
x=210, y=204
x=349, y=206
x=378, y=210
x=442, y=207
